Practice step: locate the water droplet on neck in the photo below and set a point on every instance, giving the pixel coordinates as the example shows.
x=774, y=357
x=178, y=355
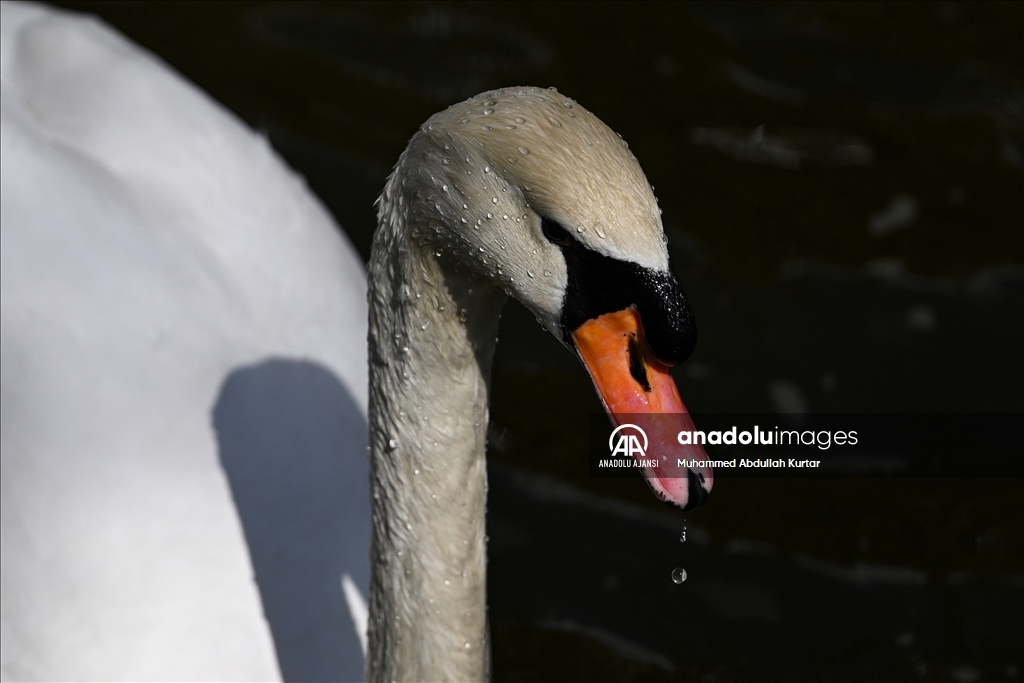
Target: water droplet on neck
x=487, y=169
x=393, y=443
x=446, y=161
x=520, y=119
x=488, y=112
x=600, y=231
x=494, y=200
x=523, y=150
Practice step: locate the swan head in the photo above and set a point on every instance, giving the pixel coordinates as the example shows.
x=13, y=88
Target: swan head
x=525, y=189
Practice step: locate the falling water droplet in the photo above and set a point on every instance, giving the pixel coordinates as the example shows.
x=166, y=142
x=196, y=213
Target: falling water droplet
x=678, y=575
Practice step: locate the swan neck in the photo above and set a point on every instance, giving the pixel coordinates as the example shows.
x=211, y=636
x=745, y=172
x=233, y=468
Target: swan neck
x=432, y=336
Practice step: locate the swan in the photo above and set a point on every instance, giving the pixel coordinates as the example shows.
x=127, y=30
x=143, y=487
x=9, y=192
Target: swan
x=153, y=246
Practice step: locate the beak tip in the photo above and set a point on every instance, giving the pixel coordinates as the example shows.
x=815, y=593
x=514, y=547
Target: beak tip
x=696, y=491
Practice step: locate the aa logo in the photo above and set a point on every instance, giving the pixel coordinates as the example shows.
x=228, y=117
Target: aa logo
x=626, y=440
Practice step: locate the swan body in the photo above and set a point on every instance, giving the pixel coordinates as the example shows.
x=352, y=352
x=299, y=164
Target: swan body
x=152, y=246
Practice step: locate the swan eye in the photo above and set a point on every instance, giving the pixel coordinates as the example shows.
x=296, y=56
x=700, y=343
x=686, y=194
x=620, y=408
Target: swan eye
x=555, y=233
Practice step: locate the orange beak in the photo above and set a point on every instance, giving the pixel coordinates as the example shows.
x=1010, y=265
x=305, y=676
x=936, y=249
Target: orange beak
x=636, y=388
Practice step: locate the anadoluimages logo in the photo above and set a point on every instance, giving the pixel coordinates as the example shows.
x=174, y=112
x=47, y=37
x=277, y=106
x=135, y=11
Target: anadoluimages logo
x=627, y=444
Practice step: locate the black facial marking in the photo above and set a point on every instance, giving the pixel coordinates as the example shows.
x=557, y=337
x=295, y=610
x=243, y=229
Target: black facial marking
x=599, y=284
x=637, y=367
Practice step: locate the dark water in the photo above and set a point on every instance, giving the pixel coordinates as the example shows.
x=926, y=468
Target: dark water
x=843, y=191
